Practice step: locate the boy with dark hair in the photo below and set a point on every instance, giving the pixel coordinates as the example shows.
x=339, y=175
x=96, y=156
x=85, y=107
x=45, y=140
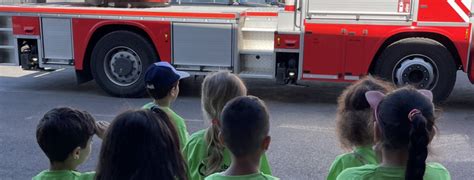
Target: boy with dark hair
x=65, y=136
x=162, y=84
x=244, y=131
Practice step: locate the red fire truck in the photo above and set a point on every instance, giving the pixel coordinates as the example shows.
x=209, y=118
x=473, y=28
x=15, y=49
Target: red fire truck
x=419, y=42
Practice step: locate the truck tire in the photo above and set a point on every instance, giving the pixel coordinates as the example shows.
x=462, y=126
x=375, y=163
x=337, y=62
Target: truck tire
x=420, y=62
x=119, y=61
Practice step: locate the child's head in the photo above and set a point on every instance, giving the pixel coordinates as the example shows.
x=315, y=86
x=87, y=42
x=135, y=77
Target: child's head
x=65, y=134
x=245, y=126
x=217, y=89
x=142, y=144
x=405, y=119
x=354, y=117
x=162, y=80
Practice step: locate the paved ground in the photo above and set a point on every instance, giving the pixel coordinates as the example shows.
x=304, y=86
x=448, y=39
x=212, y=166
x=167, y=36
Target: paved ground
x=302, y=122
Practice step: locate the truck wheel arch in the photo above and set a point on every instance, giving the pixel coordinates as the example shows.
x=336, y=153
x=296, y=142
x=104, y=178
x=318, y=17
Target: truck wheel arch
x=100, y=31
x=444, y=40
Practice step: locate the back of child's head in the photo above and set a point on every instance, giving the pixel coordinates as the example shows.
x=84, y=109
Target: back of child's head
x=354, y=117
x=217, y=89
x=61, y=130
x=162, y=92
x=245, y=124
x=406, y=120
x=141, y=144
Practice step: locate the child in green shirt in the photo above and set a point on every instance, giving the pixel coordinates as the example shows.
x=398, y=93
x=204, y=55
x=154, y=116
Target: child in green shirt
x=354, y=125
x=404, y=126
x=244, y=131
x=65, y=136
x=162, y=83
x=204, y=153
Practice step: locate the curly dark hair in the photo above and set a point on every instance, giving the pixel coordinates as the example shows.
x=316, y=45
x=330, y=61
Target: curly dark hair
x=354, y=121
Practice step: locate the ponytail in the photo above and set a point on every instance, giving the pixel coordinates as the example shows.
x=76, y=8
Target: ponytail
x=215, y=150
x=217, y=89
x=417, y=147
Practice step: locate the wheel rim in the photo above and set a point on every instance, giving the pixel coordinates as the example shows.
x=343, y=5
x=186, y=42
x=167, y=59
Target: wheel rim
x=417, y=70
x=122, y=66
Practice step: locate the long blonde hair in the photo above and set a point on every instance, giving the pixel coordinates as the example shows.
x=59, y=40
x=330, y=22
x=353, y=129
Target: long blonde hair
x=217, y=89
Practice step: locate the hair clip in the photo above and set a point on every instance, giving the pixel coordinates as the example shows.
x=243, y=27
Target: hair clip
x=412, y=114
x=215, y=121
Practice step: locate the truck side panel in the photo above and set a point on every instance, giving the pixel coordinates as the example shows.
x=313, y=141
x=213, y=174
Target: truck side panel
x=353, y=47
x=444, y=10
x=158, y=31
x=26, y=25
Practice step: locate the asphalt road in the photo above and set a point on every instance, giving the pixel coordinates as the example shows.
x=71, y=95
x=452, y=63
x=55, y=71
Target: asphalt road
x=302, y=121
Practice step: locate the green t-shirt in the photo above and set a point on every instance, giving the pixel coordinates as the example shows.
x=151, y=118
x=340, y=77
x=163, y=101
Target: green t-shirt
x=64, y=175
x=178, y=122
x=359, y=157
x=257, y=176
x=434, y=171
x=196, y=150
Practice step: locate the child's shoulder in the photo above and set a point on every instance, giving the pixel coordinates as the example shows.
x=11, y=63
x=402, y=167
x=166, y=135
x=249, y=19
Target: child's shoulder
x=257, y=176
x=436, y=171
x=196, y=140
x=66, y=175
x=148, y=105
x=197, y=137
x=357, y=172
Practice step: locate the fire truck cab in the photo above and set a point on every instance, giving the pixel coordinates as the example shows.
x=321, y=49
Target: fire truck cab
x=418, y=42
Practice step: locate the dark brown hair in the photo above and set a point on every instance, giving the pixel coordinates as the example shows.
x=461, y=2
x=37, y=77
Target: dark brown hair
x=63, y=129
x=354, y=119
x=399, y=132
x=161, y=92
x=141, y=144
x=245, y=124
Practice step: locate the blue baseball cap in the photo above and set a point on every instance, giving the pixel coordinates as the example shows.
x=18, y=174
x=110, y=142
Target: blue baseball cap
x=162, y=75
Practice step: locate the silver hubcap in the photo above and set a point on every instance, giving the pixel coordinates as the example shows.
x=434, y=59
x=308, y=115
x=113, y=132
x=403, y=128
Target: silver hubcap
x=122, y=66
x=416, y=70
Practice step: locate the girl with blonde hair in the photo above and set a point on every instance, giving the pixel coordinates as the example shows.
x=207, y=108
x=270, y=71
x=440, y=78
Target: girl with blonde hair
x=204, y=153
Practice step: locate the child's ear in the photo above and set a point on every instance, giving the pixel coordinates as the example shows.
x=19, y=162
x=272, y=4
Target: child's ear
x=76, y=153
x=174, y=91
x=266, y=142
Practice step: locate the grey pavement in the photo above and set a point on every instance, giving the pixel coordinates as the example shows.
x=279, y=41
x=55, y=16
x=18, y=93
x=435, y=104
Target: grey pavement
x=302, y=121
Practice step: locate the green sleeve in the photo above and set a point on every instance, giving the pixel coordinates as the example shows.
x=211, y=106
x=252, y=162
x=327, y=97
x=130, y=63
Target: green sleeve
x=336, y=168
x=436, y=171
x=87, y=176
x=183, y=135
x=193, y=153
x=265, y=166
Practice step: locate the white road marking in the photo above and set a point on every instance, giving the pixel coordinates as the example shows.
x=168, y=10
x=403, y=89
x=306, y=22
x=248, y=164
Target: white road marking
x=44, y=74
x=309, y=128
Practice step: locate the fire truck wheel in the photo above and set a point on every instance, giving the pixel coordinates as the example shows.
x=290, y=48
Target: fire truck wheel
x=420, y=62
x=119, y=60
